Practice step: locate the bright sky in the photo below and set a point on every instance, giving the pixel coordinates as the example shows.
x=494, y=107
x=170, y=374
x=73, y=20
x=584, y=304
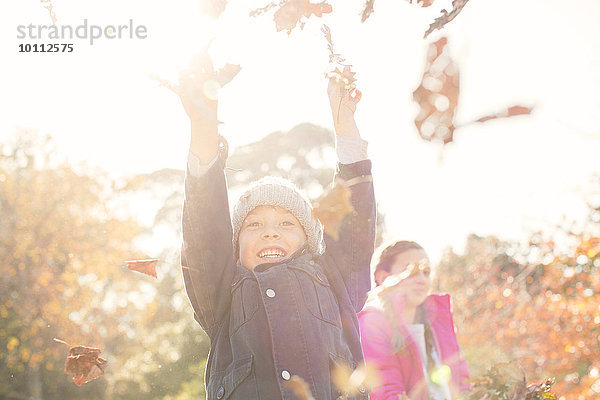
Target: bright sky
x=505, y=177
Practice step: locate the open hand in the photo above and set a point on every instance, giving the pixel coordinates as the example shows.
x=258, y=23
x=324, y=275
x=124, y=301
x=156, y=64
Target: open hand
x=199, y=85
x=343, y=98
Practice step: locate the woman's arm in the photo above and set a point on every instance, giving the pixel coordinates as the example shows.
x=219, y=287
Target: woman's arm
x=375, y=336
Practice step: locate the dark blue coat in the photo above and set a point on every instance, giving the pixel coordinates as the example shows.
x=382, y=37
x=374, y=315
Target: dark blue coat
x=296, y=317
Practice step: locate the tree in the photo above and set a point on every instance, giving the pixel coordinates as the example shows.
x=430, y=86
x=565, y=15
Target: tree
x=60, y=249
x=535, y=304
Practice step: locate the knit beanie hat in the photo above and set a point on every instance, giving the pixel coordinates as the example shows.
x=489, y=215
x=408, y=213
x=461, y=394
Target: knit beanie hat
x=272, y=191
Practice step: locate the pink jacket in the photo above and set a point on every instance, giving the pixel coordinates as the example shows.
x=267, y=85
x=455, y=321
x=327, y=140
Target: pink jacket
x=401, y=372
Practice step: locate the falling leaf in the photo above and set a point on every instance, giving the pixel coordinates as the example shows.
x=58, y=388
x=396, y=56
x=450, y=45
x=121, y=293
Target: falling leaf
x=83, y=362
x=213, y=8
x=334, y=58
x=291, y=12
x=198, y=85
x=227, y=73
x=423, y=3
x=263, y=10
x=437, y=95
x=368, y=7
x=331, y=208
x=507, y=113
x=367, y=10
x=300, y=388
x=47, y=4
x=147, y=267
x=441, y=21
x=354, y=382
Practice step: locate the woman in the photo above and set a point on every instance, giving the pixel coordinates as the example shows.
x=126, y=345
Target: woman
x=408, y=334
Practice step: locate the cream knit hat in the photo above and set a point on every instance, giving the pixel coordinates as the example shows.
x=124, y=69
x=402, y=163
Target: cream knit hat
x=272, y=191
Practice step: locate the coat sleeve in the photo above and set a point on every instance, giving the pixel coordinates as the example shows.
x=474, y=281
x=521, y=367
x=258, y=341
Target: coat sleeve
x=351, y=253
x=207, y=257
x=379, y=354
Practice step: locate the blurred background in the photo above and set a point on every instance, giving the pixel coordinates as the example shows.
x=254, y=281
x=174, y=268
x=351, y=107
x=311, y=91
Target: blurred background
x=93, y=151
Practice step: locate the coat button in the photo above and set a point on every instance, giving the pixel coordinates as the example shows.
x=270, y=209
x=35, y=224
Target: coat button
x=285, y=375
x=220, y=392
x=362, y=389
x=311, y=262
x=270, y=293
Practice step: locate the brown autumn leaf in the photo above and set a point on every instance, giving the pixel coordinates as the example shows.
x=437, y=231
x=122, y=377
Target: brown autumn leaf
x=422, y=3
x=354, y=382
x=227, y=73
x=291, y=12
x=334, y=58
x=367, y=10
x=344, y=79
x=213, y=8
x=368, y=7
x=47, y=4
x=83, y=362
x=300, y=388
x=437, y=95
x=507, y=113
x=147, y=266
x=331, y=208
x=441, y=21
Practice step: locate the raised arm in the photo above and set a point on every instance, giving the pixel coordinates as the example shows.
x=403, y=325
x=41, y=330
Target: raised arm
x=352, y=251
x=207, y=257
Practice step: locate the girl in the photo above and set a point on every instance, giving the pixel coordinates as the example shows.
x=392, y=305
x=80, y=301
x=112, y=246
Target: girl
x=408, y=334
x=276, y=297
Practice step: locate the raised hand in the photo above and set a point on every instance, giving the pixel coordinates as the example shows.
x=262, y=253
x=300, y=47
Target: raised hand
x=198, y=89
x=343, y=98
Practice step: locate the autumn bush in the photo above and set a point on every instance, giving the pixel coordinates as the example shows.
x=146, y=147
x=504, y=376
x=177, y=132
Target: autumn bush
x=536, y=304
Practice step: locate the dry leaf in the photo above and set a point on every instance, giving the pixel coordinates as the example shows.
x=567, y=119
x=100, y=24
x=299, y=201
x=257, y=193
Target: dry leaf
x=368, y=7
x=227, y=73
x=423, y=3
x=344, y=79
x=263, y=10
x=367, y=10
x=441, y=21
x=50, y=7
x=437, y=95
x=291, y=12
x=199, y=85
x=300, y=388
x=147, y=267
x=334, y=58
x=331, y=208
x=507, y=113
x=213, y=8
x=359, y=381
x=83, y=362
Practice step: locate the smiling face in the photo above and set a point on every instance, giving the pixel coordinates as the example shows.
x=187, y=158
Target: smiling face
x=269, y=234
x=413, y=266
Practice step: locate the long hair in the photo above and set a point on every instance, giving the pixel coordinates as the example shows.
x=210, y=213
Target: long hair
x=385, y=262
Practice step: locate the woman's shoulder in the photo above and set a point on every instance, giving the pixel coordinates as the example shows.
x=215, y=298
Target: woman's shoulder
x=439, y=301
x=371, y=314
